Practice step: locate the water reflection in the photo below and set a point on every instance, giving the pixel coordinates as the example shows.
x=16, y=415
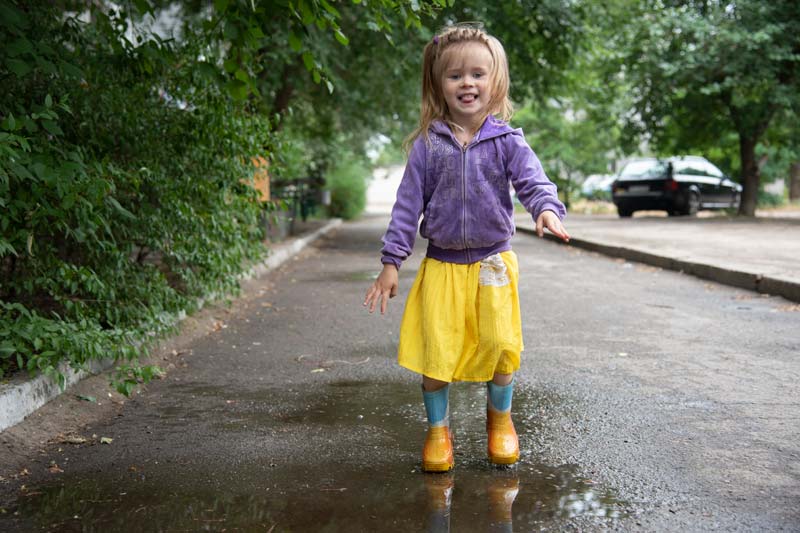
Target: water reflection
x=328, y=463
x=439, y=488
x=501, y=491
x=484, y=501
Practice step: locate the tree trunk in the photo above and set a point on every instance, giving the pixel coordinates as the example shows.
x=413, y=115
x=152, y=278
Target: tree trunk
x=284, y=95
x=794, y=181
x=750, y=175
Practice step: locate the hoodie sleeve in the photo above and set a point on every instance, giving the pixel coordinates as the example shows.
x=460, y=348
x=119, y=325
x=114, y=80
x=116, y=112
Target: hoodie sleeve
x=534, y=189
x=398, y=241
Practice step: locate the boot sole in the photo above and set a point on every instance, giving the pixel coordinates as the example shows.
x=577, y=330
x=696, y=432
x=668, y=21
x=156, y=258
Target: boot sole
x=437, y=467
x=507, y=460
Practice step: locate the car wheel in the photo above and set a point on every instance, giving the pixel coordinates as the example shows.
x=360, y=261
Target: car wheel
x=624, y=213
x=737, y=200
x=692, y=203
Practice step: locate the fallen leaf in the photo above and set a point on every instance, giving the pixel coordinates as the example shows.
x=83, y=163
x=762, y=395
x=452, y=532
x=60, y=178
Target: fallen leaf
x=55, y=469
x=72, y=439
x=106, y=440
x=87, y=398
x=317, y=370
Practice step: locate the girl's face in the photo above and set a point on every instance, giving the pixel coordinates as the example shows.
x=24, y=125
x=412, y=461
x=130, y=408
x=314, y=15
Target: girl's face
x=466, y=84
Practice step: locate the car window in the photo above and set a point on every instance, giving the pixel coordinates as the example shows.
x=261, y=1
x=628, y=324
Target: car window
x=643, y=169
x=690, y=168
x=711, y=170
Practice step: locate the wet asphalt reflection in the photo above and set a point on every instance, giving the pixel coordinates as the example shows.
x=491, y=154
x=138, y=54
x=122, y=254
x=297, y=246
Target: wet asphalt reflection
x=351, y=463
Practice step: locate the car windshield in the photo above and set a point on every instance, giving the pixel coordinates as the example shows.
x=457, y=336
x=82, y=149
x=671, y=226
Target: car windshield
x=644, y=169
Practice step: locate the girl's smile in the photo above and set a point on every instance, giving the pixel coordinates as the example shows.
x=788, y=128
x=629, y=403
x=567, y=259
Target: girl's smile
x=466, y=85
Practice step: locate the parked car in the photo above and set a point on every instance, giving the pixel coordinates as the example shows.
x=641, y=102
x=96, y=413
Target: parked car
x=679, y=185
x=597, y=186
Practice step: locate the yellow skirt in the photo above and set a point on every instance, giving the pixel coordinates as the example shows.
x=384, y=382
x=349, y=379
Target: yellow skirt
x=462, y=322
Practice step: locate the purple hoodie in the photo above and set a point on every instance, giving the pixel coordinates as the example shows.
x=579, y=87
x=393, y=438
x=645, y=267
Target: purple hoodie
x=463, y=195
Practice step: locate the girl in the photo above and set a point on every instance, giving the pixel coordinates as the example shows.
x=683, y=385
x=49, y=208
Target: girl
x=462, y=320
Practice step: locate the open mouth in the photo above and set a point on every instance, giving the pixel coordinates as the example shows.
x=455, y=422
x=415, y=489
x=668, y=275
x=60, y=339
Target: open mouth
x=467, y=98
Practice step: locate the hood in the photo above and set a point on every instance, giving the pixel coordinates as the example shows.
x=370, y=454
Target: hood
x=492, y=127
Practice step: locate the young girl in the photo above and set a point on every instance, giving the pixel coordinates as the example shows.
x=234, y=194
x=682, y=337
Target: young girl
x=462, y=320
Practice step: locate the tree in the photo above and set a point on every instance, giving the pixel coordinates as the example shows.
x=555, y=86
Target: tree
x=125, y=156
x=701, y=68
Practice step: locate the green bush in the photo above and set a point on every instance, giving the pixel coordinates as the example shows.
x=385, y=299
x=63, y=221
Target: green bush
x=767, y=199
x=121, y=195
x=348, y=185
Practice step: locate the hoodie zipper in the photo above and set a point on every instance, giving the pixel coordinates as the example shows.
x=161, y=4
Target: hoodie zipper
x=464, y=200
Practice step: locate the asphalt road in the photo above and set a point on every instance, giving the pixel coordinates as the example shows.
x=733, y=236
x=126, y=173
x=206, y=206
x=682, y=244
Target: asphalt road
x=648, y=400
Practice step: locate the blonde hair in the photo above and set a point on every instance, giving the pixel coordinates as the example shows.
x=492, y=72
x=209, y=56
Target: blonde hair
x=436, y=57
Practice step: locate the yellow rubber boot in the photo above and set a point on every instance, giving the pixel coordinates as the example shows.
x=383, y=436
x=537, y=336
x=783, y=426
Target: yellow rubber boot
x=503, y=446
x=437, y=454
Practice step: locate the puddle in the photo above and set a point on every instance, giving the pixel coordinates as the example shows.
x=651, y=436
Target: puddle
x=342, y=457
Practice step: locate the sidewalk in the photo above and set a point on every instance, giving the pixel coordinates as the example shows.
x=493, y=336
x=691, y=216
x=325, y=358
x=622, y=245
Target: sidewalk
x=21, y=395
x=760, y=254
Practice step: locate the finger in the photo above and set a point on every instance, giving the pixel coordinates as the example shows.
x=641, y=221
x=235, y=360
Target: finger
x=562, y=232
x=539, y=230
x=394, y=291
x=556, y=229
x=371, y=294
x=384, y=302
x=373, y=301
x=368, y=296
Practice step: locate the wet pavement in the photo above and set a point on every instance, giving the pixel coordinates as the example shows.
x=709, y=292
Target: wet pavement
x=647, y=401
x=752, y=253
x=355, y=469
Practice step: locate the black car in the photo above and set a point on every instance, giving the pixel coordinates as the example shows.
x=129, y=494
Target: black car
x=678, y=185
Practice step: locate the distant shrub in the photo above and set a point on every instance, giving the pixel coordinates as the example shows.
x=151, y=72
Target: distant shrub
x=348, y=185
x=767, y=199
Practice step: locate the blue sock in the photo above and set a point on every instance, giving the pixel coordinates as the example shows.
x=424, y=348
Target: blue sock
x=499, y=396
x=436, y=406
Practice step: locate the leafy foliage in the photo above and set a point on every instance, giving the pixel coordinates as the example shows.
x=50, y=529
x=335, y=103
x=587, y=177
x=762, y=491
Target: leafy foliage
x=698, y=70
x=348, y=185
x=121, y=204
x=126, y=152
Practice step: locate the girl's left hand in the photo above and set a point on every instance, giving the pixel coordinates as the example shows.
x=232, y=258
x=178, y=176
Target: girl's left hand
x=549, y=220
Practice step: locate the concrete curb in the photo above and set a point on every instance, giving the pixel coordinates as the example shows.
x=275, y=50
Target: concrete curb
x=736, y=278
x=22, y=395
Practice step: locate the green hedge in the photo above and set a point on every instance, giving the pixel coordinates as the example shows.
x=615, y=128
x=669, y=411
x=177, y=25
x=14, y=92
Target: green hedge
x=121, y=194
x=348, y=185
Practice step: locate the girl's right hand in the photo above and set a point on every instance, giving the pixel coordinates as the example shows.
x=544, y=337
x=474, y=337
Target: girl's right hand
x=385, y=287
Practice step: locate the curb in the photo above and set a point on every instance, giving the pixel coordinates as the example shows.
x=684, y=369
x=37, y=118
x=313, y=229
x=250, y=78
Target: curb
x=736, y=278
x=23, y=395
